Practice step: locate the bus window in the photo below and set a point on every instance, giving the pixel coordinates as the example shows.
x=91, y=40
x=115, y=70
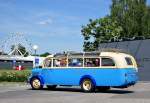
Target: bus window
x=47, y=63
x=75, y=62
x=62, y=62
x=128, y=61
x=56, y=63
x=107, y=62
x=92, y=62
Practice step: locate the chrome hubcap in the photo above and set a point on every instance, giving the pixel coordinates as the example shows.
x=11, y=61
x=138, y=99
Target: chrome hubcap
x=87, y=85
x=36, y=83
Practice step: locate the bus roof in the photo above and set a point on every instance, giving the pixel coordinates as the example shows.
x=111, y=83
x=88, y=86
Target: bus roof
x=102, y=52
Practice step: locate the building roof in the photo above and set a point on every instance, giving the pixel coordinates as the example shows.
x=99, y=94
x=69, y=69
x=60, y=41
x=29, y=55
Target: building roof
x=7, y=57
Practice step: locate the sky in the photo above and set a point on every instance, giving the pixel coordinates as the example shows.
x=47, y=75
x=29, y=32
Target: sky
x=53, y=25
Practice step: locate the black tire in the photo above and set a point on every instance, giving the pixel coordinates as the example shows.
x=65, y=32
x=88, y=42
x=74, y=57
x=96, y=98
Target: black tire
x=51, y=87
x=87, y=85
x=36, y=84
x=103, y=88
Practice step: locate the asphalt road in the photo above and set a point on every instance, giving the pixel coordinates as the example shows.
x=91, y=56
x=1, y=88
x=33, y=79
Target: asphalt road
x=12, y=93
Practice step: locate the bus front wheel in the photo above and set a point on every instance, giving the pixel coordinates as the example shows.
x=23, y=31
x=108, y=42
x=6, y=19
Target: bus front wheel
x=36, y=84
x=87, y=85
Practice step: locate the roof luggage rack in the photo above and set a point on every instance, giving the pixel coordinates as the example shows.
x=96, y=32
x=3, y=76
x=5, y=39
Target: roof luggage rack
x=93, y=53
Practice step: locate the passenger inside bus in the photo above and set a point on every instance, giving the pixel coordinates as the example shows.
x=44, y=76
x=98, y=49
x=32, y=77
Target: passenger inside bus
x=75, y=62
x=56, y=63
x=47, y=63
x=60, y=62
x=63, y=62
x=92, y=62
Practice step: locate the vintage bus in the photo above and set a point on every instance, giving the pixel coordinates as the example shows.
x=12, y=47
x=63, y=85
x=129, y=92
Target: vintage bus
x=89, y=70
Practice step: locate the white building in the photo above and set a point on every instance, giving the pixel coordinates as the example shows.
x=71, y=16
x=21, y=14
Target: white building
x=9, y=62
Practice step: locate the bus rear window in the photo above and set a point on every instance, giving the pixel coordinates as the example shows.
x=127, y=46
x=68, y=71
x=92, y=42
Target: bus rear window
x=128, y=60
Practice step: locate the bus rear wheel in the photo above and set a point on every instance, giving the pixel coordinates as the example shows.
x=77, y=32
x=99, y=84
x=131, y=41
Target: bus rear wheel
x=36, y=84
x=87, y=85
x=51, y=87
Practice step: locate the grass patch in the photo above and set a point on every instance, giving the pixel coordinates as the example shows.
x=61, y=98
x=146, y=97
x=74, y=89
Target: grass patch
x=14, y=75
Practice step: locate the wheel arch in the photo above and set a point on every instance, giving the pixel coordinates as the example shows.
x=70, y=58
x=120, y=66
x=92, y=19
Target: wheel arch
x=87, y=77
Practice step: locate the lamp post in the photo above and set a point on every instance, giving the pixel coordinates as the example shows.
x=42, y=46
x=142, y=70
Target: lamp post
x=35, y=47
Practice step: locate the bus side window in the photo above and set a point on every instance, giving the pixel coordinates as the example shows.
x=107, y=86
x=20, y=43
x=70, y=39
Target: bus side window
x=47, y=63
x=60, y=62
x=75, y=62
x=107, y=62
x=63, y=62
x=56, y=63
x=92, y=62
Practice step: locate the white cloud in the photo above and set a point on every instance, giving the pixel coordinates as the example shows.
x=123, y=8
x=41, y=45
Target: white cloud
x=45, y=22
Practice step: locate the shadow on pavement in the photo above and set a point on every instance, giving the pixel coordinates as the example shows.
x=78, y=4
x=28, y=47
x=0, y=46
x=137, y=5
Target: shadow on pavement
x=116, y=91
x=65, y=89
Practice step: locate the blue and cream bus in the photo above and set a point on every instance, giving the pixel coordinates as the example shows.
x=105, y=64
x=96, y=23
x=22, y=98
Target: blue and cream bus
x=90, y=70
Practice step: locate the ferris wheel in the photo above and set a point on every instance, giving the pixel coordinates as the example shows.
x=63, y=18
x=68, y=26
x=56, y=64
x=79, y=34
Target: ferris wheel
x=11, y=45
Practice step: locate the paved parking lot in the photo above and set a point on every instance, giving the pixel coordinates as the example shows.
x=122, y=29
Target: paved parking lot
x=13, y=93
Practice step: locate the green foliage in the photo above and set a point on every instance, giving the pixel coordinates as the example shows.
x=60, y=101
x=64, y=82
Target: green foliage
x=128, y=18
x=133, y=16
x=146, y=23
x=45, y=54
x=14, y=76
x=98, y=31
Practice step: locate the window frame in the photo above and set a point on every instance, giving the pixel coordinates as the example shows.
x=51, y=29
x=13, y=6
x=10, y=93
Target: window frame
x=83, y=61
x=75, y=58
x=115, y=66
x=92, y=58
x=47, y=66
x=53, y=59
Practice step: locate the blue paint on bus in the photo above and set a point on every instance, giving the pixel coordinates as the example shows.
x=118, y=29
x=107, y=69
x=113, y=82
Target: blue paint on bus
x=112, y=77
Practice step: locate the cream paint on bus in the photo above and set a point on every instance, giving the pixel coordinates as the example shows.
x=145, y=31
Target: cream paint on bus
x=120, y=59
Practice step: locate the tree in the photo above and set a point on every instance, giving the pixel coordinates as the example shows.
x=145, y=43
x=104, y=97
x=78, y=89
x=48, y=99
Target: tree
x=98, y=31
x=128, y=19
x=45, y=54
x=132, y=15
x=21, y=48
x=146, y=23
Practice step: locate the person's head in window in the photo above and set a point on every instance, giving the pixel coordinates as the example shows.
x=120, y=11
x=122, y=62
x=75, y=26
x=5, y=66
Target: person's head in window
x=57, y=63
x=63, y=62
x=88, y=63
x=97, y=62
x=47, y=63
